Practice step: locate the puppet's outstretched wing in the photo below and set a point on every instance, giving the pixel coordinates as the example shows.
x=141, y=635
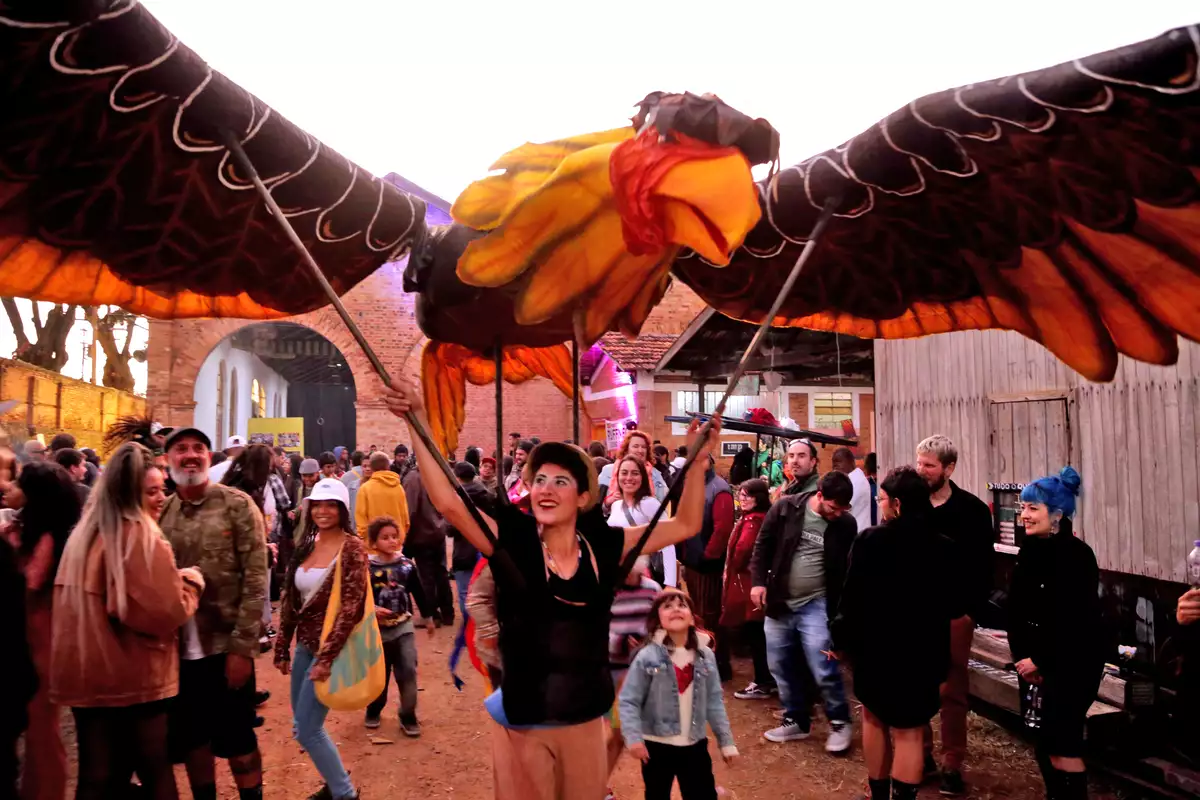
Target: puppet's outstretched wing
x=1063, y=204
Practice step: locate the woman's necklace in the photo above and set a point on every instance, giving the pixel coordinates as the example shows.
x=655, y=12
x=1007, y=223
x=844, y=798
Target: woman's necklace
x=550, y=556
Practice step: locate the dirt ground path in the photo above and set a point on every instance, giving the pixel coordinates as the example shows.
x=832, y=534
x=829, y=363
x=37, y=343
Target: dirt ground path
x=452, y=759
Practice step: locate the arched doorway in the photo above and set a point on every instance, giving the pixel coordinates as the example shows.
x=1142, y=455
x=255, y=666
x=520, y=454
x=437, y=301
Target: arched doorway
x=277, y=369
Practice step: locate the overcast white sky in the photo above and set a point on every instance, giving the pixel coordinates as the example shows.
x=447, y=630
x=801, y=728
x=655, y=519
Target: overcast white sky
x=437, y=91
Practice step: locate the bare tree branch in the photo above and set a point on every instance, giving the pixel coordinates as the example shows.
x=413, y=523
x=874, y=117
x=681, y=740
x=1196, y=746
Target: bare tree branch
x=18, y=325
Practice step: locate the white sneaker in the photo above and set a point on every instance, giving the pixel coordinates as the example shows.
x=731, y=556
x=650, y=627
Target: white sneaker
x=841, y=736
x=789, y=731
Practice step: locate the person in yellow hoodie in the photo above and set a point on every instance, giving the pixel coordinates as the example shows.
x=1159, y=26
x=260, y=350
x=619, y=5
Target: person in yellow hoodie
x=381, y=496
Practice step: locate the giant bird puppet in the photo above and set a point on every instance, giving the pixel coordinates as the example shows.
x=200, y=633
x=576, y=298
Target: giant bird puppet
x=1062, y=204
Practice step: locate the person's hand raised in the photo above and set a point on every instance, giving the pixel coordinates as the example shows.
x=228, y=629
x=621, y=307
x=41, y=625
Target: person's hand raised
x=709, y=445
x=402, y=397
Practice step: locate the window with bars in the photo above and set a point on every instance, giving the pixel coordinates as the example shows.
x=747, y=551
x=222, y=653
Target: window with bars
x=831, y=408
x=688, y=402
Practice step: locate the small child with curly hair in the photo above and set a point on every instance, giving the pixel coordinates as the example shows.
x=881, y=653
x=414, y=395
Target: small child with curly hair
x=396, y=586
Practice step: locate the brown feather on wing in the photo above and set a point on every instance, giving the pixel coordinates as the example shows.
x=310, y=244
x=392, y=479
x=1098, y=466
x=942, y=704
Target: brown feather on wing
x=1063, y=204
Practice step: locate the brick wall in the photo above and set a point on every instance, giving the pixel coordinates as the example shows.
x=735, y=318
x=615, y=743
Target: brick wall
x=678, y=308
x=50, y=403
x=385, y=313
x=866, y=430
x=798, y=408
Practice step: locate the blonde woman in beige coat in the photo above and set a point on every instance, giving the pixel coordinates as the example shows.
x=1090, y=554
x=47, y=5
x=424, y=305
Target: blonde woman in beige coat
x=119, y=601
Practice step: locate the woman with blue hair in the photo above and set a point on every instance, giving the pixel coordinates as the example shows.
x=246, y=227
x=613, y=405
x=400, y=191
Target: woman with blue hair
x=1055, y=630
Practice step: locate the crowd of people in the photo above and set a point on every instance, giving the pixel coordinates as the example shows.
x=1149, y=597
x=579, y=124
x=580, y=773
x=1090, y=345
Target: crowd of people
x=140, y=594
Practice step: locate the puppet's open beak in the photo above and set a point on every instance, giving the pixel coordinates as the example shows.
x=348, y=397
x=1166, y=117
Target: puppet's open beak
x=683, y=192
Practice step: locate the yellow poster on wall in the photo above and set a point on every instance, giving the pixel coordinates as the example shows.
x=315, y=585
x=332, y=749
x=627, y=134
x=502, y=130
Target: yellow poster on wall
x=285, y=432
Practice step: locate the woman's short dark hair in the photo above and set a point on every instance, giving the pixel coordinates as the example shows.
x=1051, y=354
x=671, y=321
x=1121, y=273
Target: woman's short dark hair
x=905, y=485
x=758, y=489
x=576, y=462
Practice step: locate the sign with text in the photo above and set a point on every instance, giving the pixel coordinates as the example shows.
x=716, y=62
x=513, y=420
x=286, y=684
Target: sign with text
x=614, y=433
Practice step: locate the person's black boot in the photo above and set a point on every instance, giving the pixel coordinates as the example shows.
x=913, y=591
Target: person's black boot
x=1049, y=775
x=952, y=784
x=1071, y=785
x=904, y=791
x=881, y=788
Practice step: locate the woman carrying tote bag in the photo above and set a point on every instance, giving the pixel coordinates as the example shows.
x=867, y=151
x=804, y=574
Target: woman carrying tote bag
x=324, y=604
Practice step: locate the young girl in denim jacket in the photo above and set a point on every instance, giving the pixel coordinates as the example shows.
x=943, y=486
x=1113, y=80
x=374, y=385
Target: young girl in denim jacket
x=672, y=693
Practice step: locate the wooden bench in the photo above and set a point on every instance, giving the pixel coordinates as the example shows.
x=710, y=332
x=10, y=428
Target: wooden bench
x=992, y=683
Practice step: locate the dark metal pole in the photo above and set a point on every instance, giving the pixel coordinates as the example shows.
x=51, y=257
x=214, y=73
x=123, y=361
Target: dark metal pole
x=575, y=391
x=498, y=360
x=739, y=370
x=414, y=423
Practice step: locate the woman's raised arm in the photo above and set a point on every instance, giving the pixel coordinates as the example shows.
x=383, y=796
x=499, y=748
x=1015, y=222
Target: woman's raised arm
x=689, y=517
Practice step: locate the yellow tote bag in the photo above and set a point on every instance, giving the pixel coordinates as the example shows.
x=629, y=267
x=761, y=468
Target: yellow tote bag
x=359, y=673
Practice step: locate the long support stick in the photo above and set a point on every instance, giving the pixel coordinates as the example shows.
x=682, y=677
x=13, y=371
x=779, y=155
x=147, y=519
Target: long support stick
x=414, y=423
x=739, y=370
x=575, y=392
x=498, y=360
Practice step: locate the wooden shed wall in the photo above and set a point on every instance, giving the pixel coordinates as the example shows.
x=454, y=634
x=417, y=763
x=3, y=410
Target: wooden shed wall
x=1133, y=440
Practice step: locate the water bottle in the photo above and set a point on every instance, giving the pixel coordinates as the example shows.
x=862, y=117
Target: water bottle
x=1032, y=706
x=1194, y=565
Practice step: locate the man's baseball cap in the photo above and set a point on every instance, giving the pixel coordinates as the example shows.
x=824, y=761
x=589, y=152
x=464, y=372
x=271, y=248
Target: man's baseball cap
x=235, y=441
x=331, y=489
x=179, y=433
x=309, y=466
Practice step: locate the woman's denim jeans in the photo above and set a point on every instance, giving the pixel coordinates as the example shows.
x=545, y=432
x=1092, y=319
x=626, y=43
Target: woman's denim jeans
x=308, y=715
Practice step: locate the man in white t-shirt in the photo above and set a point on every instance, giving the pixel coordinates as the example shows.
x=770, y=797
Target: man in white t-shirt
x=860, y=504
x=234, y=446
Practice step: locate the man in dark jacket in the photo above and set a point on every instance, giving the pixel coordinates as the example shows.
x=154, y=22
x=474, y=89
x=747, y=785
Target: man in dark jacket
x=798, y=567
x=426, y=545
x=464, y=555
x=965, y=520
x=801, y=462
x=400, y=461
